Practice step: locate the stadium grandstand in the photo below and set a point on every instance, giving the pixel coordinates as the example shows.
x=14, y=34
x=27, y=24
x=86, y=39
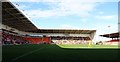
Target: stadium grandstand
x=115, y=38
x=22, y=41
x=18, y=29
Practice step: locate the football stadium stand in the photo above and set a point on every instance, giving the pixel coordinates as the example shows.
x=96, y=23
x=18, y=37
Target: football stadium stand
x=115, y=38
x=18, y=29
x=10, y=38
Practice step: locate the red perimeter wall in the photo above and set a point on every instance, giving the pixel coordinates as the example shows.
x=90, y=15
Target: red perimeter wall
x=38, y=40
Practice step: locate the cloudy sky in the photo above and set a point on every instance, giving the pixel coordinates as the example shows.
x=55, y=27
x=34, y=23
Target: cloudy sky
x=72, y=14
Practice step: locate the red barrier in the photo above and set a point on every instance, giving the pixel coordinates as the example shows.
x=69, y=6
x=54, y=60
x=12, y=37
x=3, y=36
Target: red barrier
x=34, y=40
x=114, y=41
x=38, y=40
x=46, y=40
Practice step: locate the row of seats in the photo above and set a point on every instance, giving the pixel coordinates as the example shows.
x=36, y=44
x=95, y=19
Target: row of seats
x=10, y=39
x=71, y=41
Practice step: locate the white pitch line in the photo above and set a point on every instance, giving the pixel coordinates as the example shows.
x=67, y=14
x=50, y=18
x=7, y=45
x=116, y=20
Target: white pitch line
x=25, y=54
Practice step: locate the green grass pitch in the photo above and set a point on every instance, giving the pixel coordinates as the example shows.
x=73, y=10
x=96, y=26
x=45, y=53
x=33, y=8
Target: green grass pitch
x=55, y=53
x=88, y=46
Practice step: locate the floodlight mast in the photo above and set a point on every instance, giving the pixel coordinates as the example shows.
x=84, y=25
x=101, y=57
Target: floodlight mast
x=109, y=30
